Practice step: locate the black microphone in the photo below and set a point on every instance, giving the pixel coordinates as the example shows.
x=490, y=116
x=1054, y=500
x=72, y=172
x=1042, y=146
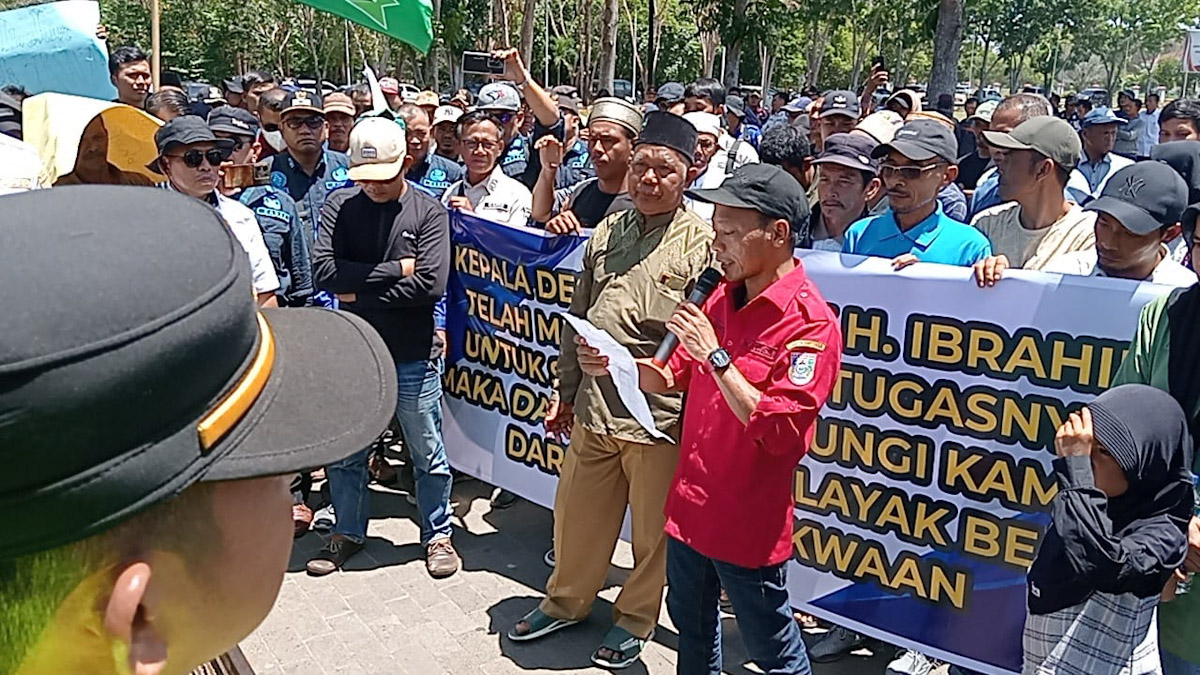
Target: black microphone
x=706, y=283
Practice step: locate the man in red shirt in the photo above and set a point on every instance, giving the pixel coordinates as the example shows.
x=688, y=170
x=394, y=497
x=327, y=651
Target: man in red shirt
x=758, y=363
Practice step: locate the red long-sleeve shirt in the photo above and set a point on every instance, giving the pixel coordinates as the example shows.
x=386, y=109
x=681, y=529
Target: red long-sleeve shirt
x=732, y=496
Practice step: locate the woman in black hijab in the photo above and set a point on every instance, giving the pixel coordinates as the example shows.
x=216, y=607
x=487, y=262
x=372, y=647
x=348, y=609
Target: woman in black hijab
x=1119, y=531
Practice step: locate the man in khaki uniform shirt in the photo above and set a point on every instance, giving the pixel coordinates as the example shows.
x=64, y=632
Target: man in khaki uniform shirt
x=637, y=268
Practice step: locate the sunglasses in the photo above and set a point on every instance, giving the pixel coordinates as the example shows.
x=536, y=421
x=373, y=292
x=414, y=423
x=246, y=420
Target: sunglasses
x=890, y=171
x=270, y=126
x=506, y=117
x=194, y=158
x=313, y=122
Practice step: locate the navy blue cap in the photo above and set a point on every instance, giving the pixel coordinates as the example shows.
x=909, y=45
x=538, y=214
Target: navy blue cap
x=672, y=92
x=851, y=150
x=840, y=102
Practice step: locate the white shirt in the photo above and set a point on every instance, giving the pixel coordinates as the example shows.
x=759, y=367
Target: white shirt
x=1150, y=130
x=497, y=198
x=1084, y=263
x=718, y=170
x=20, y=167
x=244, y=226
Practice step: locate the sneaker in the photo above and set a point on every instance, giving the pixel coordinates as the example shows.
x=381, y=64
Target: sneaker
x=834, y=644
x=503, y=499
x=333, y=556
x=302, y=518
x=549, y=558
x=441, y=560
x=324, y=519
x=912, y=663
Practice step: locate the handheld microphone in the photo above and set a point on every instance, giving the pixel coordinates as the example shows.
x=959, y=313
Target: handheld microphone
x=706, y=283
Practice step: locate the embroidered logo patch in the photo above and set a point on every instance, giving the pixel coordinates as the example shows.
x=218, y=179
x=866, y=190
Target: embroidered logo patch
x=804, y=366
x=272, y=203
x=278, y=179
x=341, y=173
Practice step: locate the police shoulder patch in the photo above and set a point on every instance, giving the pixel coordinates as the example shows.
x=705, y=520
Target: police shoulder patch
x=278, y=179
x=341, y=173
x=803, y=367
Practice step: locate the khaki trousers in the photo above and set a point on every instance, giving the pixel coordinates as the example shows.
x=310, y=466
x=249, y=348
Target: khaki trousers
x=600, y=475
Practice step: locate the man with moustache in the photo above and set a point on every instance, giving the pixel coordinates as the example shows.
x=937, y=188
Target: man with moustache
x=306, y=170
x=340, y=114
x=612, y=127
x=636, y=270
x=847, y=177
x=428, y=171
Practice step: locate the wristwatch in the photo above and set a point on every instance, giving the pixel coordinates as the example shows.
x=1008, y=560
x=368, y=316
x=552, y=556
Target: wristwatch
x=719, y=360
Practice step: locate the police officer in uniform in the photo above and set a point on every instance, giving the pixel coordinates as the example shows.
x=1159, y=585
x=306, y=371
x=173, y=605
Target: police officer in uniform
x=430, y=172
x=274, y=209
x=305, y=170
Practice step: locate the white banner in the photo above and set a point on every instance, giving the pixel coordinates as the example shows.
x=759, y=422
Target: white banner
x=924, y=496
x=1191, y=52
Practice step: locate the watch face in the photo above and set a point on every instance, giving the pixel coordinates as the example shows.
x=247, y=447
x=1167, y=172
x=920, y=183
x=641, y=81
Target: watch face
x=719, y=359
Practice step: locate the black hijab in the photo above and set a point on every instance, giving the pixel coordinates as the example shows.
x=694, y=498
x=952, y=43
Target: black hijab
x=1130, y=543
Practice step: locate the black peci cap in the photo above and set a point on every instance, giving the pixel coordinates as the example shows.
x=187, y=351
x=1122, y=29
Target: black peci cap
x=765, y=188
x=671, y=131
x=163, y=373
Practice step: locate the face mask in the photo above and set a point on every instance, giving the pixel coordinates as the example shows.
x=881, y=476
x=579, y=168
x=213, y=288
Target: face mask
x=274, y=139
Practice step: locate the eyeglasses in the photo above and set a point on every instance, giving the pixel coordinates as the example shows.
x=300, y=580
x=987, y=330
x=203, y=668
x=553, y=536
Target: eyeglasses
x=472, y=145
x=313, y=122
x=706, y=144
x=194, y=158
x=890, y=171
x=506, y=117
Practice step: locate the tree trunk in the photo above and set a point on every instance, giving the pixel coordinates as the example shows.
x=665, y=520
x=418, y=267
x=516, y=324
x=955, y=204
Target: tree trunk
x=608, y=45
x=528, y=22
x=733, y=46
x=766, y=57
x=947, y=43
x=651, y=72
x=709, y=42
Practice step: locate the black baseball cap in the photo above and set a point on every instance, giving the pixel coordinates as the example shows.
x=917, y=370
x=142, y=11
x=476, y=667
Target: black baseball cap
x=164, y=373
x=921, y=140
x=765, y=188
x=850, y=150
x=230, y=120
x=840, y=102
x=1145, y=197
x=235, y=85
x=184, y=130
x=302, y=100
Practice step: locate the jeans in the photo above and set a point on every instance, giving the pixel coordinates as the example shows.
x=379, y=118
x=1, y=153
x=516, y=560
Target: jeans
x=760, y=603
x=349, y=495
x=419, y=409
x=1174, y=665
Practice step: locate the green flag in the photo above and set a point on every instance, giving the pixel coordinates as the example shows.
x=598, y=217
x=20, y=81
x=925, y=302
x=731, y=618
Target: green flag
x=409, y=21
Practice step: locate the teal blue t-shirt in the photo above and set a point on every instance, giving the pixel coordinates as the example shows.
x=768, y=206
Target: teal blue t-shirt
x=937, y=239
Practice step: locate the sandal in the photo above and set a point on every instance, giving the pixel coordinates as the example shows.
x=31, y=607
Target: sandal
x=624, y=643
x=540, y=625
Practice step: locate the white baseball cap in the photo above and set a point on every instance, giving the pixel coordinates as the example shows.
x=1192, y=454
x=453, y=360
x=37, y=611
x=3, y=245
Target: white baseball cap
x=499, y=96
x=705, y=123
x=377, y=149
x=446, y=113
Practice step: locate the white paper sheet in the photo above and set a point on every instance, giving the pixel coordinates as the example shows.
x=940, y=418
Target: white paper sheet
x=624, y=371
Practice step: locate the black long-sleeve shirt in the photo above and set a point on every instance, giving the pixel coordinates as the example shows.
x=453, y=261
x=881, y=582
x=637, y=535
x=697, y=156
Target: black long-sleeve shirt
x=358, y=250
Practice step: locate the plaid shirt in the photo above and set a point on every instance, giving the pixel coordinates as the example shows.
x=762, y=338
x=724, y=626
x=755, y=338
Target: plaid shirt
x=1103, y=635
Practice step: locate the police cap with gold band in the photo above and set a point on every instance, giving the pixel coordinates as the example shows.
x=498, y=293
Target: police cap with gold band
x=135, y=363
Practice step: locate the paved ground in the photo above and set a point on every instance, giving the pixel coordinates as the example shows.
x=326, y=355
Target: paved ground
x=384, y=614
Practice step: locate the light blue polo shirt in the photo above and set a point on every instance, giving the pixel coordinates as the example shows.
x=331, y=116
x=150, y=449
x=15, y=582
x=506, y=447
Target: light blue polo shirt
x=937, y=239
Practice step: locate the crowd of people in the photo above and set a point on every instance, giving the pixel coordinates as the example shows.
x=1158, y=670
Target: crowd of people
x=342, y=201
